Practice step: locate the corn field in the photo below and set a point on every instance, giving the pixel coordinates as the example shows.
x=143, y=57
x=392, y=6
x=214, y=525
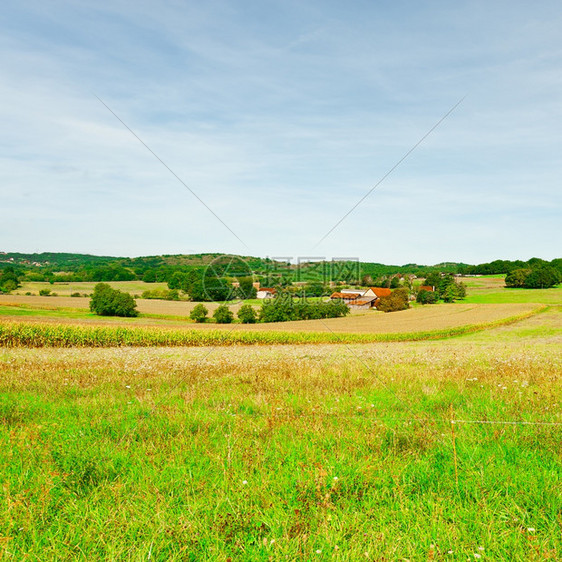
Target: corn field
x=16, y=334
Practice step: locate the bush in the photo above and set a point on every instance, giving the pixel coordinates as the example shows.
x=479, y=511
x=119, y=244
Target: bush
x=45, y=292
x=223, y=315
x=247, y=314
x=199, y=313
x=106, y=301
x=162, y=294
x=75, y=294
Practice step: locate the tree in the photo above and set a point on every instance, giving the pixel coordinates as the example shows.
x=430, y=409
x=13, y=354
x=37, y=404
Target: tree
x=395, y=282
x=427, y=297
x=278, y=309
x=9, y=285
x=199, y=313
x=176, y=281
x=106, y=301
x=214, y=288
x=283, y=308
x=9, y=280
x=247, y=314
x=149, y=276
x=450, y=293
x=398, y=300
x=246, y=290
x=516, y=278
x=223, y=315
x=314, y=289
x=433, y=280
x=542, y=278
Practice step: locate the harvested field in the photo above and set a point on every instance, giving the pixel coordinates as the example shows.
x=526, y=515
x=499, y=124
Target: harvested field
x=419, y=319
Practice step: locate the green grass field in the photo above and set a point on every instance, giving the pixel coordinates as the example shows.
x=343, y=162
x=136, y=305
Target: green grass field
x=293, y=452
x=66, y=289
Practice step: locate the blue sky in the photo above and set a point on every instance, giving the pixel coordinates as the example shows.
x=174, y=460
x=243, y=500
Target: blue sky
x=280, y=116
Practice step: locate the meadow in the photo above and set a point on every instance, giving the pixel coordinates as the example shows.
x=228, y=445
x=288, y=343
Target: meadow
x=389, y=450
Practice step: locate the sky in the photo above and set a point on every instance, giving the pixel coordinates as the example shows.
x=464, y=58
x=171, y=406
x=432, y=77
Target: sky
x=263, y=123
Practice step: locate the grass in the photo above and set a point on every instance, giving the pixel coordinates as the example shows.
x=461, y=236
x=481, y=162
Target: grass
x=544, y=296
x=86, y=287
x=284, y=453
x=492, y=289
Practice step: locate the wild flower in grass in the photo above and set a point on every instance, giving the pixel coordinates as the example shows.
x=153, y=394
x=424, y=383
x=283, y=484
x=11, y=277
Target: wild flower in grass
x=244, y=482
x=318, y=551
x=336, y=478
x=476, y=555
x=531, y=529
x=127, y=386
x=449, y=552
x=480, y=548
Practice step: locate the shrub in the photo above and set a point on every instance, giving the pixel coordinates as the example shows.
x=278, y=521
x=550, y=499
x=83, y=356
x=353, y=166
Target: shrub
x=223, y=315
x=44, y=292
x=75, y=294
x=247, y=314
x=106, y=301
x=199, y=313
x=162, y=294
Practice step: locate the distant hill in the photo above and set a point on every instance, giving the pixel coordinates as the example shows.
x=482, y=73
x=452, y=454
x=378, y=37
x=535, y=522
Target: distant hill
x=55, y=266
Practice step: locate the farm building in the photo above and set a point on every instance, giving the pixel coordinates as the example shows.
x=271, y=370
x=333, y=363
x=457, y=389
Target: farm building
x=377, y=292
x=345, y=296
x=266, y=293
x=361, y=298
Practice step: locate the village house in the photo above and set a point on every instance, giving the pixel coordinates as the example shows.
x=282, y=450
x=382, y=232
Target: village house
x=346, y=296
x=266, y=293
x=361, y=298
